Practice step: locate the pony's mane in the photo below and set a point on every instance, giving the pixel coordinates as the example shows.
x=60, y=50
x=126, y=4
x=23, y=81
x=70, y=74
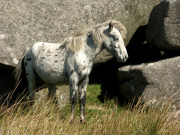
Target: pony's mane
x=75, y=43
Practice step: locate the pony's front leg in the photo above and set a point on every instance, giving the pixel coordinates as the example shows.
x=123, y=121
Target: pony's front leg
x=73, y=84
x=82, y=98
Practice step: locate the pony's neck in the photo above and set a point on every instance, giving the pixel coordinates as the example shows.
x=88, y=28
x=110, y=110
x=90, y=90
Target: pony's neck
x=91, y=48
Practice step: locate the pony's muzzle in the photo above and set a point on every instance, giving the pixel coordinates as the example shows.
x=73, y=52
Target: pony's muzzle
x=122, y=58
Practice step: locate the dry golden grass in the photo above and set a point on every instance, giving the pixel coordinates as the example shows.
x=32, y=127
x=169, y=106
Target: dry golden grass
x=45, y=118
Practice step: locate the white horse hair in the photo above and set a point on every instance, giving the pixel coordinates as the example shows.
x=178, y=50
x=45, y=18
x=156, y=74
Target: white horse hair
x=72, y=60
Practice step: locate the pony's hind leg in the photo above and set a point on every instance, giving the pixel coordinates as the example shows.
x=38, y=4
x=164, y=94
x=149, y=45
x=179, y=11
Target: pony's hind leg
x=52, y=92
x=82, y=98
x=31, y=82
x=30, y=75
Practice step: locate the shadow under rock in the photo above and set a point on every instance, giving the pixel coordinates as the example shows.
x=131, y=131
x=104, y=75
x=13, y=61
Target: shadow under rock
x=105, y=74
x=139, y=50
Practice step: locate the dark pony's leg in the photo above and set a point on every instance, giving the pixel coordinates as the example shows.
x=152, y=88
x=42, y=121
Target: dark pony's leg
x=82, y=98
x=73, y=84
x=52, y=92
x=31, y=80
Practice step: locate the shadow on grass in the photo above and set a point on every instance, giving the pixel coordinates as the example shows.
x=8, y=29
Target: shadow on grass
x=106, y=75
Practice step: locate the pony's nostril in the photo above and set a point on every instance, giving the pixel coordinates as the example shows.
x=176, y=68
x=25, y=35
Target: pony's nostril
x=124, y=59
x=126, y=56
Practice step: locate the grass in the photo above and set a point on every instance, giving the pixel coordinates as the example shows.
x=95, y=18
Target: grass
x=45, y=118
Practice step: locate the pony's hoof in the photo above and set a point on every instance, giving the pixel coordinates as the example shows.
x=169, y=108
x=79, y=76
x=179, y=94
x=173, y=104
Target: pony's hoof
x=71, y=121
x=83, y=121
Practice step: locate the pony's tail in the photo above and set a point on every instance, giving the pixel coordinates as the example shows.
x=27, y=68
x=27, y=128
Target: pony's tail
x=20, y=76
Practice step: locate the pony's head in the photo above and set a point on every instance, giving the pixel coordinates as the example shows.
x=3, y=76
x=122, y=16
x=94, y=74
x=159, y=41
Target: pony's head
x=114, y=43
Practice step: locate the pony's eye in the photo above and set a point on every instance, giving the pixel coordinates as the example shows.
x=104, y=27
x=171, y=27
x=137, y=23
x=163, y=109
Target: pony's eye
x=116, y=38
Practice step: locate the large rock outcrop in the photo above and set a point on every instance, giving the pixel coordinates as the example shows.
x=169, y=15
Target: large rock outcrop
x=156, y=83
x=163, y=29
x=25, y=22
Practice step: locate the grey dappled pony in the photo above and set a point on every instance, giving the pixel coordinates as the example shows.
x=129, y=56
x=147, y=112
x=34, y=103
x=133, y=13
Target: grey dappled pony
x=72, y=60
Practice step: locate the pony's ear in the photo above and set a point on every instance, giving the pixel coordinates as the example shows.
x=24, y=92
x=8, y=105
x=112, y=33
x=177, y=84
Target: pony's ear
x=110, y=26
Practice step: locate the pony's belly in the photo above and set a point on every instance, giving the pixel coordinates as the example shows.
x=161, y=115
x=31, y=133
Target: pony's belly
x=52, y=76
x=51, y=72
x=50, y=68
